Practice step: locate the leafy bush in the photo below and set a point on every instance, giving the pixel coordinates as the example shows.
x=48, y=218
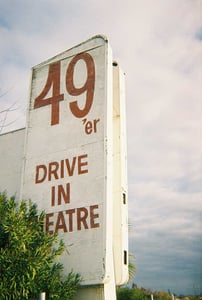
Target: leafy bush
x=28, y=255
x=131, y=294
x=124, y=294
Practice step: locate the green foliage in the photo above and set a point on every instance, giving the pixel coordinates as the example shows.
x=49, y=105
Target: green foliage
x=124, y=294
x=28, y=255
x=131, y=267
x=161, y=295
x=131, y=294
x=138, y=293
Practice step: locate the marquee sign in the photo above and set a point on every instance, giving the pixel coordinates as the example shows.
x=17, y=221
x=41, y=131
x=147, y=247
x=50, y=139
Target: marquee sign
x=68, y=165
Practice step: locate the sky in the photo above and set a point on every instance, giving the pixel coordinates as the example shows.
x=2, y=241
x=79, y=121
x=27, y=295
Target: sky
x=158, y=44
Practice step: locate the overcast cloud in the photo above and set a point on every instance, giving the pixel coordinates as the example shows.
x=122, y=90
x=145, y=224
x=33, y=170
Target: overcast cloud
x=158, y=43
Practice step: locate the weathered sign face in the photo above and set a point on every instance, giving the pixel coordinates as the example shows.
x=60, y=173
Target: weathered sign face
x=68, y=166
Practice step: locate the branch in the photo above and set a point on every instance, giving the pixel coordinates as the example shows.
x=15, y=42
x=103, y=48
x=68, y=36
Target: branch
x=9, y=108
x=4, y=118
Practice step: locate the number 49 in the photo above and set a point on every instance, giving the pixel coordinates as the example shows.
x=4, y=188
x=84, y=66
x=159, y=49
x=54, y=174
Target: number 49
x=53, y=81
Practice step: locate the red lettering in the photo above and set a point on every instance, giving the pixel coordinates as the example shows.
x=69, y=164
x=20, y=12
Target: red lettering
x=95, y=124
x=52, y=170
x=53, y=82
x=89, y=127
x=93, y=216
x=62, y=169
x=82, y=214
x=53, y=196
x=50, y=95
x=83, y=217
x=82, y=164
x=56, y=169
x=70, y=169
x=49, y=223
x=70, y=213
x=60, y=224
x=63, y=194
x=87, y=88
x=41, y=172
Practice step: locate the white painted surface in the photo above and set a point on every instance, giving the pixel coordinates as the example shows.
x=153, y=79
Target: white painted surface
x=100, y=292
x=120, y=188
x=11, y=157
x=42, y=296
x=89, y=248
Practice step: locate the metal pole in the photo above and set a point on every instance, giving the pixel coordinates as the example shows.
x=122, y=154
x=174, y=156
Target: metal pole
x=42, y=296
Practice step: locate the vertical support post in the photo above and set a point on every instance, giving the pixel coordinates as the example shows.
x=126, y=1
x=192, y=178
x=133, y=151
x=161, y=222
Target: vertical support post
x=42, y=296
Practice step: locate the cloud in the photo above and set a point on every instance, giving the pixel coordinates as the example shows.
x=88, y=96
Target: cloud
x=158, y=45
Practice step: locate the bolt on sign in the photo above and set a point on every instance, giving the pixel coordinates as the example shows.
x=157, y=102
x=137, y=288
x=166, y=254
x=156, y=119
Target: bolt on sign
x=68, y=170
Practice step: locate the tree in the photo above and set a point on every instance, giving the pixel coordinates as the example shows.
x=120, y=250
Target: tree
x=28, y=255
x=131, y=267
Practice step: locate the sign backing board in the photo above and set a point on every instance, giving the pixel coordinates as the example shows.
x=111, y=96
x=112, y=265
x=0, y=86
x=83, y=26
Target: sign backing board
x=11, y=161
x=68, y=146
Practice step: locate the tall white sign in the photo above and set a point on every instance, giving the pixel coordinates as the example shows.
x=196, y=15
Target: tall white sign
x=68, y=166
